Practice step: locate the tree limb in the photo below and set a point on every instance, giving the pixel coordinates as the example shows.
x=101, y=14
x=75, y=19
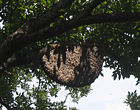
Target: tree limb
x=22, y=59
x=11, y=45
x=110, y=18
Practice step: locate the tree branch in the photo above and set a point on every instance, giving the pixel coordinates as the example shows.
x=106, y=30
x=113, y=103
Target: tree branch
x=33, y=57
x=110, y=18
x=16, y=43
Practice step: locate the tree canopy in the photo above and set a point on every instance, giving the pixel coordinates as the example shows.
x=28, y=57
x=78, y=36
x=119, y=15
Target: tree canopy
x=31, y=25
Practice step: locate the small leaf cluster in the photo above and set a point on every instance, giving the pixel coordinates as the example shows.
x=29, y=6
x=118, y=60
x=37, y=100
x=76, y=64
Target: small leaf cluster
x=133, y=100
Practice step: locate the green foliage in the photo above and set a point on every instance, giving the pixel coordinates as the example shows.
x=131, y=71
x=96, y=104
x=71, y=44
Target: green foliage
x=76, y=94
x=30, y=91
x=119, y=44
x=133, y=100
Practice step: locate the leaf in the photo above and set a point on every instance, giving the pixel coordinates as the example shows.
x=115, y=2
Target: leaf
x=109, y=11
x=119, y=76
x=80, y=27
x=44, y=1
x=102, y=74
x=110, y=39
x=61, y=16
x=114, y=76
x=62, y=10
x=49, y=2
x=0, y=2
x=52, y=24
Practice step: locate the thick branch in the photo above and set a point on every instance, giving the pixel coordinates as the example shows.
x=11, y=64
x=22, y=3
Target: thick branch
x=12, y=45
x=32, y=57
x=110, y=18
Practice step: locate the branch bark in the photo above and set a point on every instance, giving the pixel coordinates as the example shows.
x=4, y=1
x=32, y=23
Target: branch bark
x=18, y=41
x=33, y=57
x=110, y=18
